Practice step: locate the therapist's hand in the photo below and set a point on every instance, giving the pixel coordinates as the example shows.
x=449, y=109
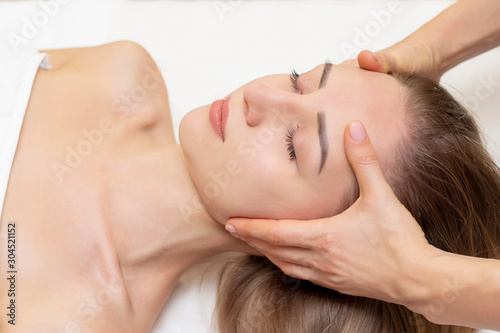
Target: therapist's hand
x=406, y=56
x=371, y=250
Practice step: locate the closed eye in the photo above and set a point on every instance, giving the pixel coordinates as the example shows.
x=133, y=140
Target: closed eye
x=294, y=76
x=289, y=140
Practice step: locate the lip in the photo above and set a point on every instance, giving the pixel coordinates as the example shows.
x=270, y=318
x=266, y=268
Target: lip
x=219, y=111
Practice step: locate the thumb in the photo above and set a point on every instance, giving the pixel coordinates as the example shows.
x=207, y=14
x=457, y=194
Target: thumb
x=363, y=160
x=377, y=62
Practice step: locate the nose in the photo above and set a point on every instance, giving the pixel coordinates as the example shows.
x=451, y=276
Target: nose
x=265, y=102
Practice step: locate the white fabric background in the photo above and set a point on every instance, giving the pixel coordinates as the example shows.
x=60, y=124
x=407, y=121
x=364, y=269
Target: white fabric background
x=205, y=49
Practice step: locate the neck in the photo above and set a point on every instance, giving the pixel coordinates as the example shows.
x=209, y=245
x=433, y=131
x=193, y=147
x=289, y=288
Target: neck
x=162, y=225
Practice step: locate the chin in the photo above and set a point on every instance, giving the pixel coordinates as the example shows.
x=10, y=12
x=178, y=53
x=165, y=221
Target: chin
x=188, y=127
x=194, y=133
x=216, y=214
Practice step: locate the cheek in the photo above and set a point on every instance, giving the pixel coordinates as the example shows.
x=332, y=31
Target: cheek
x=258, y=186
x=337, y=191
x=261, y=189
x=328, y=193
x=269, y=187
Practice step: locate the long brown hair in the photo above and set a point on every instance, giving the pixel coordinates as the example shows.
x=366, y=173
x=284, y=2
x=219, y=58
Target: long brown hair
x=444, y=176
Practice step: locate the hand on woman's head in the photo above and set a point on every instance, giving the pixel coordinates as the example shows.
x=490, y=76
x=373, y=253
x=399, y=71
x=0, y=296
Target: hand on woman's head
x=403, y=57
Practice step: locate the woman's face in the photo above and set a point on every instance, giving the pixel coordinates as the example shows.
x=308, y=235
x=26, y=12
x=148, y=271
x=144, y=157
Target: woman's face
x=281, y=151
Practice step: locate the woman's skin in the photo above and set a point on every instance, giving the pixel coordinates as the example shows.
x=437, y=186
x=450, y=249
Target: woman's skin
x=324, y=251
x=101, y=243
x=108, y=207
x=262, y=114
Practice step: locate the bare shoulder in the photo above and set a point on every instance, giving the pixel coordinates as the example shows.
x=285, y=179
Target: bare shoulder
x=127, y=76
x=97, y=56
x=118, y=65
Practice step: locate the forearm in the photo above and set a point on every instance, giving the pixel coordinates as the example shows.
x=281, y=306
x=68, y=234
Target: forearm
x=461, y=290
x=462, y=31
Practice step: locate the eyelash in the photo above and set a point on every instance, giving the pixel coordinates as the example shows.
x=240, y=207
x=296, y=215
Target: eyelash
x=291, y=131
x=293, y=77
x=289, y=140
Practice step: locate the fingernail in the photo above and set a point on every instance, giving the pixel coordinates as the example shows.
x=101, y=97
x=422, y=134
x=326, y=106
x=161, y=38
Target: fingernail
x=375, y=56
x=357, y=131
x=232, y=231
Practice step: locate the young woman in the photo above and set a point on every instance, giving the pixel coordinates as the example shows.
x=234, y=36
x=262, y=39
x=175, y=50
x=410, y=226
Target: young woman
x=445, y=178
x=109, y=210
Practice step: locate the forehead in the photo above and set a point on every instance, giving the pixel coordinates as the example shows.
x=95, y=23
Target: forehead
x=372, y=84
x=350, y=93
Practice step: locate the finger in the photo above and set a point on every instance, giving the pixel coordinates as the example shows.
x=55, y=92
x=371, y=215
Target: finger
x=363, y=160
x=377, y=62
x=370, y=61
x=279, y=232
x=306, y=273
x=243, y=246
x=295, y=270
x=292, y=254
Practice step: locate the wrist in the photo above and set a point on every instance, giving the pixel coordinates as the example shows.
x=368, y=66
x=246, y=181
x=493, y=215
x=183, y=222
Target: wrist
x=460, y=32
x=443, y=281
x=423, y=280
x=458, y=285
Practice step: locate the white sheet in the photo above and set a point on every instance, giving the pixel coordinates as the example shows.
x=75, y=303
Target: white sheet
x=17, y=73
x=207, y=48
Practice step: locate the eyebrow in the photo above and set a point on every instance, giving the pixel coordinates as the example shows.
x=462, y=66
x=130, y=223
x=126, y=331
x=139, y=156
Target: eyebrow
x=323, y=139
x=324, y=77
